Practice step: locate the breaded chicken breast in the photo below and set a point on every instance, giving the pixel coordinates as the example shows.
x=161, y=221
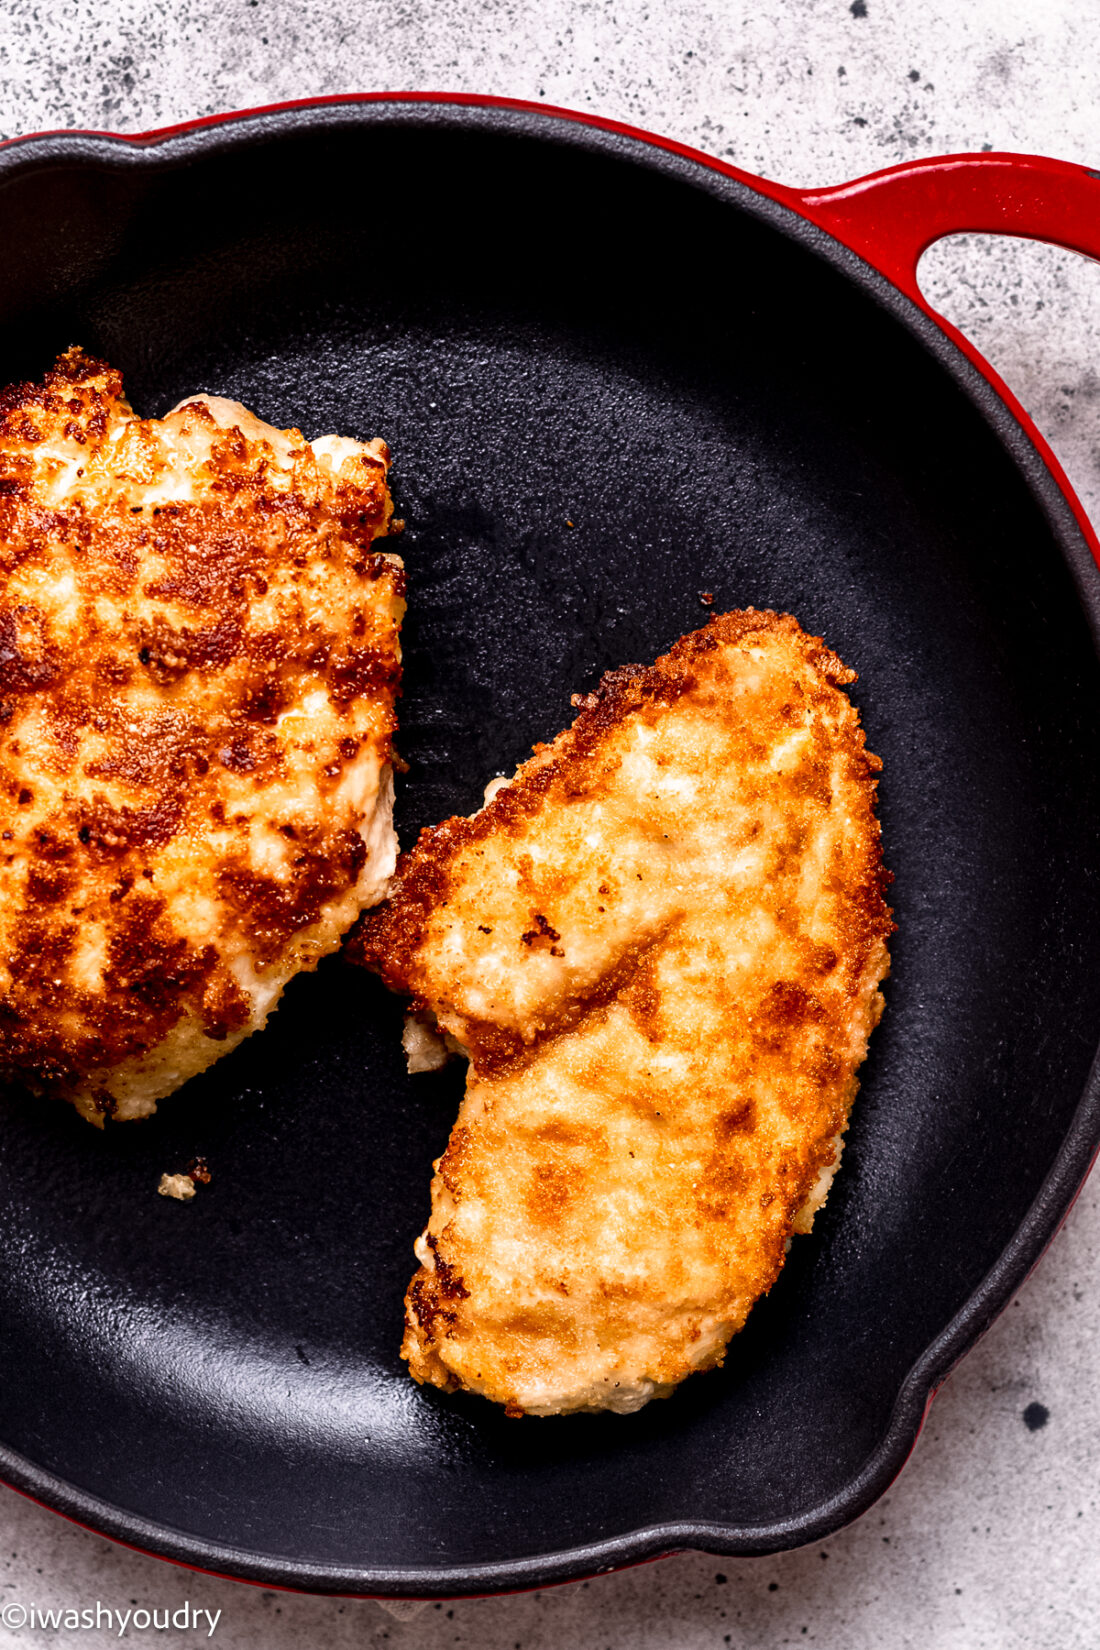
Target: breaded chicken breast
x=198, y=664
x=661, y=945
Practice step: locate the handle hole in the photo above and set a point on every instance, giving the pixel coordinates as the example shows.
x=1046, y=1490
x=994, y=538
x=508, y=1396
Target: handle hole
x=1034, y=312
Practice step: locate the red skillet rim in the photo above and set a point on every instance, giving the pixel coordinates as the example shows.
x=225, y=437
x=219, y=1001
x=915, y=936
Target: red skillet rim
x=792, y=212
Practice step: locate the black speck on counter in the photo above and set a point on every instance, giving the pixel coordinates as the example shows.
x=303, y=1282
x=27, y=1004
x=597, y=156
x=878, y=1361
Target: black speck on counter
x=1036, y=1416
x=858, y=8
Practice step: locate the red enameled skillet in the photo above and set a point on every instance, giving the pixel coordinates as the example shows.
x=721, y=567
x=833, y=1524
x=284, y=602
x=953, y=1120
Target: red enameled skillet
x=614, y=373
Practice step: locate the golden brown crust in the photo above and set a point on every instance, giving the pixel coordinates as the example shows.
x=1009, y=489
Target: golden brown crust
x=198, y=649
x=662, y=944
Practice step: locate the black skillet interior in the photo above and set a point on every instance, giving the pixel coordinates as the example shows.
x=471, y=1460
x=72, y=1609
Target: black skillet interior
x=610, y=383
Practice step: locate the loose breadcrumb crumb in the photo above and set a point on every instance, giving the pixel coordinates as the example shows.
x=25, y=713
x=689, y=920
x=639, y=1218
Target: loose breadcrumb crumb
x=179, y=1186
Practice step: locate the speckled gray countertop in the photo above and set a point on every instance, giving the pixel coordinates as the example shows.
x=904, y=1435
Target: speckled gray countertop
x=990, y=1539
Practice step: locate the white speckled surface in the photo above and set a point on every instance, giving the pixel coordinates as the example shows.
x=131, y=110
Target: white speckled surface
x=989, y=1540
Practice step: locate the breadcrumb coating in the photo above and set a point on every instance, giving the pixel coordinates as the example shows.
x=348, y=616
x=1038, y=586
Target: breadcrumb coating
x=661, y=944
x=199, y=659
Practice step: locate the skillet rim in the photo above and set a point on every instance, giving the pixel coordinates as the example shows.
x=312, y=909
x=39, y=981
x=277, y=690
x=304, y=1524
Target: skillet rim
x=778, y=206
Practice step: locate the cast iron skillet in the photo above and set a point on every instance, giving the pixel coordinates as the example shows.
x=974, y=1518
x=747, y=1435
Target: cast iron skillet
x=614, y=374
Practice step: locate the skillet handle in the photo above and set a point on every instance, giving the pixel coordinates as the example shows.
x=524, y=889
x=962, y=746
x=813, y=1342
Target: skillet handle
x=891, y=217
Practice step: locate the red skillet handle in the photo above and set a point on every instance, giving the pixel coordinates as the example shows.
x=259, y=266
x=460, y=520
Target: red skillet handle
x=891, y=217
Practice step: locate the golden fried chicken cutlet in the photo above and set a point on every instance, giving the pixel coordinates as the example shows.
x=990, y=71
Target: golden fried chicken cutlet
x=198, y=664
x=661, y=944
